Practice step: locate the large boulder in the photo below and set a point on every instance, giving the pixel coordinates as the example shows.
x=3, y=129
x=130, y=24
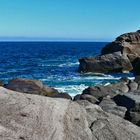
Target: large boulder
x=102, y=127
x=133, y=86
x=102, y=91
x=132, y=102
x=108, y=105
x=34, y=87
x=33, y=117
x=87, y=97
x=115, y=62
x=128, y=43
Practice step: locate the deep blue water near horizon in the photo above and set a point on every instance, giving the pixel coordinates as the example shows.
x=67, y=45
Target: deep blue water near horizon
x=54, y=63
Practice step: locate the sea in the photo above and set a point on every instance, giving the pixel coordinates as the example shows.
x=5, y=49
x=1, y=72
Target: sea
x=54, y=63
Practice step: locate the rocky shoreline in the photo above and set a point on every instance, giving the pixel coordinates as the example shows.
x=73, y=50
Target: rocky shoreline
x=97, y=113
x=31, y=110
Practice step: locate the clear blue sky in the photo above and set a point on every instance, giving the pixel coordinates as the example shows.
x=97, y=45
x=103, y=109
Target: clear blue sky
x=98, y=20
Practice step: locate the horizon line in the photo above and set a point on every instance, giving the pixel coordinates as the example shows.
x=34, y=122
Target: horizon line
x=52, y=39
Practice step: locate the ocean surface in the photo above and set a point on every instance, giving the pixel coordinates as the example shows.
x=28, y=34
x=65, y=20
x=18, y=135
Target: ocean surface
x=54, y=63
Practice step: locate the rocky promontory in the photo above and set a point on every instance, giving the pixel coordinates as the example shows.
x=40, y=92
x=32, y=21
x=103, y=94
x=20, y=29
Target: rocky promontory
x=121, y=55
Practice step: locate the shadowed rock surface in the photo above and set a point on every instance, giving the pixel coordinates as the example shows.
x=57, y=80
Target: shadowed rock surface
x=34, y=87
x=133, y=86
x=87, y=97
x=131, y=101
x=108, y=105
x=102, y=91
x=115, y=62
x=33, y=117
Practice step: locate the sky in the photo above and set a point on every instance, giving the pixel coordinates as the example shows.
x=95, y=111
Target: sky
x=83, y=20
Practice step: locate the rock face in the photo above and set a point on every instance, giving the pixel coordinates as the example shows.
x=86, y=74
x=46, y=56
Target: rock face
x=34, y=87
x=102, y=91
x=127, y=60
x=133, y=86
x=33, y=117
x=128, y=43
x=136, y=69
x=87, y=97
x=110, y=106
x=115, y=62
x=132, y=102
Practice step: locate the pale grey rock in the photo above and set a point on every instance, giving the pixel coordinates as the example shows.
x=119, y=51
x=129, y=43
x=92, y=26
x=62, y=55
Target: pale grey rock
x=34, y=117
x=133, y=86
x=106, y=126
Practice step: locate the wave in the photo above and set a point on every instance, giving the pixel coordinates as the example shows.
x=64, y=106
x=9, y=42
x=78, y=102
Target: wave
x=67, y=64
x=72, y=89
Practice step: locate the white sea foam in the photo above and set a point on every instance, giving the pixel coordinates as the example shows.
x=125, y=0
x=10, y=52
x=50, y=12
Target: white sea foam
x=66, y=64
x=69, y=64
x=107, y=84
x=72, y=89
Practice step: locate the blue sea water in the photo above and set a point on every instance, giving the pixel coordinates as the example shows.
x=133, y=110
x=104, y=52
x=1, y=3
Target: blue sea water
x=54, y=63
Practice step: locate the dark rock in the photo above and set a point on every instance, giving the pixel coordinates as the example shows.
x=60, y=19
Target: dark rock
x=35, y=87
x=125, y=80
x=1, y=83
x=133, y=86
x=102, y=91
x=128, y=43
x=115, y=62
x=137, y=79
x=89, y=98
x=136, y=69
x=132, y=102
x=63, y=95
x=108, y=105
x=135, y=117
x=76, y=97
x=31, y=87
x=133, y=59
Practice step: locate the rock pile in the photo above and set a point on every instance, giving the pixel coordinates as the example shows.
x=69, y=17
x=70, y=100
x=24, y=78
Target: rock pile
x=122, y=99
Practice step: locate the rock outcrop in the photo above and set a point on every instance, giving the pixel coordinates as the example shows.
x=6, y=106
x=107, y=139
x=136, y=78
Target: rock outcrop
x=115, y=62
x=33, y=117
x=122, y=99
x=121, y=55
x=132, y=102
x=128, y=43
x=101, y=91
x=34, y=87
x=108, y=105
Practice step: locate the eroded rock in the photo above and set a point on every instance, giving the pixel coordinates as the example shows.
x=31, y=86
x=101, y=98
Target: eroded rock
x=34, y=87
x=33, y=117
x=115, y=62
